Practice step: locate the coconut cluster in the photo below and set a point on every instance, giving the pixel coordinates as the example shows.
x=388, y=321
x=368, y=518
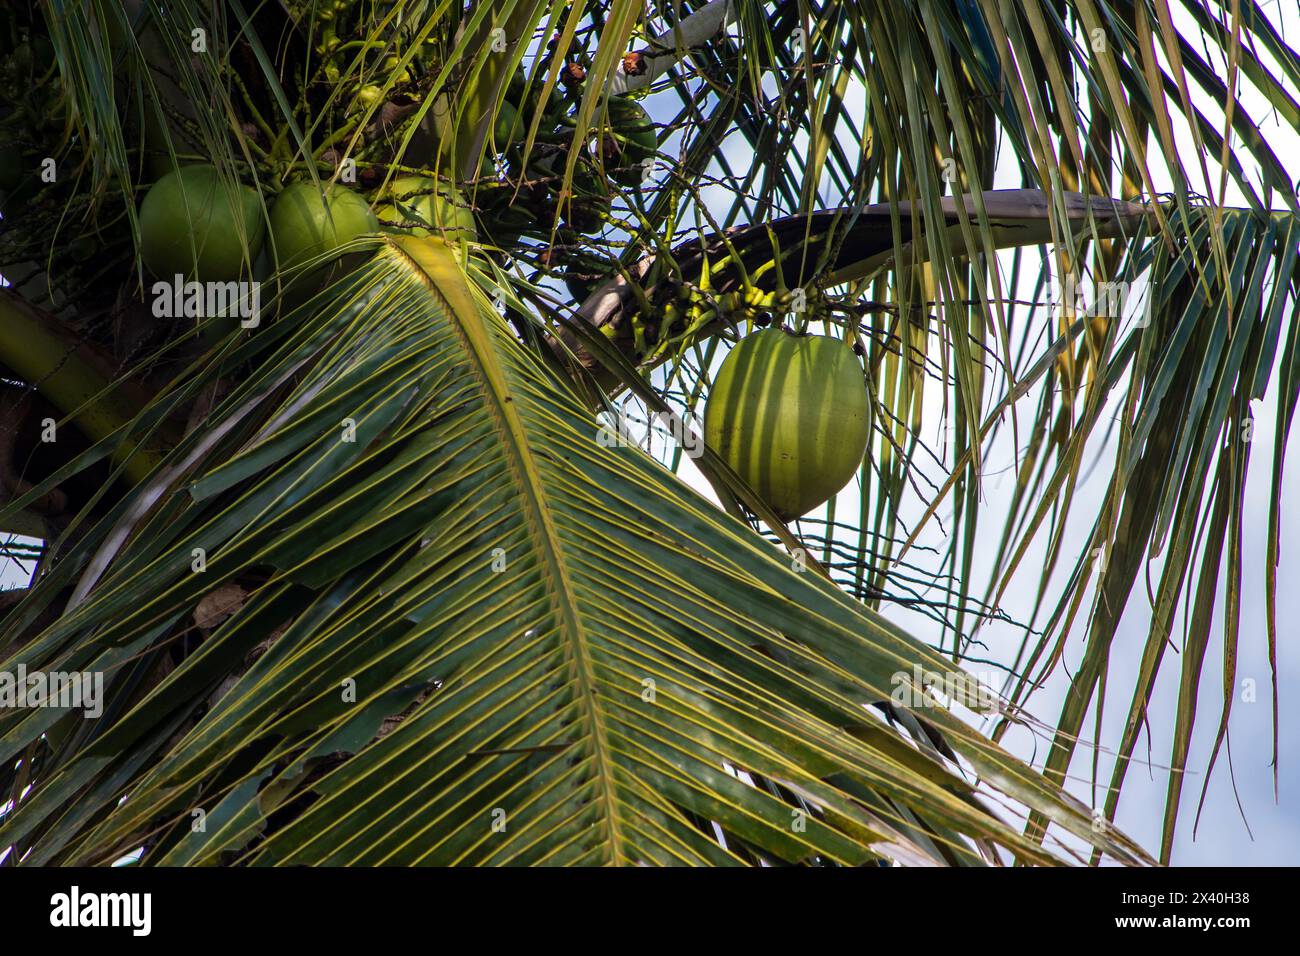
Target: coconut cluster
x=196, y=224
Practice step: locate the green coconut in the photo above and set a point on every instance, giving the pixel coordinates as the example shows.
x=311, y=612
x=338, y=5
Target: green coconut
x=527, y=100
x=590, y=203
x=518, y=85
x=193, y=224
x=508, y=128
x=635, y=138
x=434, y=201
x=790, y=414
x=306, y=223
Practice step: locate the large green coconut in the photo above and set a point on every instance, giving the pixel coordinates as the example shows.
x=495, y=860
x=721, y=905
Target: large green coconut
x=434, y=201
x=790, y=414
x=193, y=224
x=306, y=224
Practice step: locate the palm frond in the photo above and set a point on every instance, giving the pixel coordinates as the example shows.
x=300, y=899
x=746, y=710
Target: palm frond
x=881, y=156
x=493, y=640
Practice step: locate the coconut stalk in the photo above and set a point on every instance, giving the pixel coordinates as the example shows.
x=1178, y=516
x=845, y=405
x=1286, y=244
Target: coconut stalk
x=1017, y=217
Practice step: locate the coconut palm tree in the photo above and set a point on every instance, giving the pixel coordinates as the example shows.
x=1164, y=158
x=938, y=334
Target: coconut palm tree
x=365, y=579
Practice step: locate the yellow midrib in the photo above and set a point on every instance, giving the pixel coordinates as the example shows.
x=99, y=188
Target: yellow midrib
x=438, y=267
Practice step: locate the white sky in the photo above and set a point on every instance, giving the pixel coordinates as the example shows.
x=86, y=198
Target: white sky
x=1222, y=838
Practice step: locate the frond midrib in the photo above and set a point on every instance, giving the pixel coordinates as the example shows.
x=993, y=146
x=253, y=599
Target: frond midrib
x=513, y=436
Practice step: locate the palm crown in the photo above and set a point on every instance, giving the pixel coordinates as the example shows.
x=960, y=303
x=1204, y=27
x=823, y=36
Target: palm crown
x=365, y=581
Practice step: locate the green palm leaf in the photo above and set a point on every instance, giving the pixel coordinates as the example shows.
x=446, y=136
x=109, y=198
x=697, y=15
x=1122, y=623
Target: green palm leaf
x=545, y=636
x=441, y=618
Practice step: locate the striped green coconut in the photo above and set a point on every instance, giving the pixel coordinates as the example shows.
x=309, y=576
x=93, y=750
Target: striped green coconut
x=789, y=413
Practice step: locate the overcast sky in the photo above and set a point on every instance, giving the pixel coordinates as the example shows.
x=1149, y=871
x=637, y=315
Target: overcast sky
x=1261, y=831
